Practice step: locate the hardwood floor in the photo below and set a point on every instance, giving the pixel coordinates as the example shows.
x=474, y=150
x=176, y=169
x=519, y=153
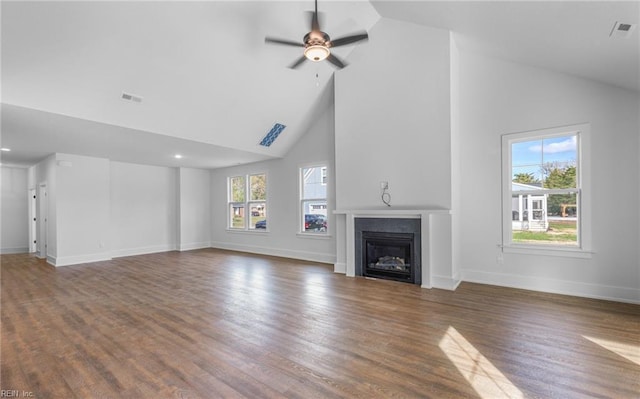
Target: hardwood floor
x=211, y=323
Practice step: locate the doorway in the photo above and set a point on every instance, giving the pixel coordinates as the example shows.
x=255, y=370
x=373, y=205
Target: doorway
x=41, y=220
x=33, y=225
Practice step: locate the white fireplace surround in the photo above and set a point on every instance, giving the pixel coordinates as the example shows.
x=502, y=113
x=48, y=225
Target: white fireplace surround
x=435, y=243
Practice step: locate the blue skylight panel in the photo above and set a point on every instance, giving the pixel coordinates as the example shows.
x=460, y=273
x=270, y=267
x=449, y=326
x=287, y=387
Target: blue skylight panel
x=272, y=135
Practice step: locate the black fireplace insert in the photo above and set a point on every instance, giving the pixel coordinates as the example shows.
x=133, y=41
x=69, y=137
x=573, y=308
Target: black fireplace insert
x=388, y=248
x=388, y=255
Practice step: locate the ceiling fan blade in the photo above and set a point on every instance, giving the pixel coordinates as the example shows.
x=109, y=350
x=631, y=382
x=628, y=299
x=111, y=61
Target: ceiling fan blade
x=336, y=61
x=349, y=39
x=283, y=41
x=298, y=62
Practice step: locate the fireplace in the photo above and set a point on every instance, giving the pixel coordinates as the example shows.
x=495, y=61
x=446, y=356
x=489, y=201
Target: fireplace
x=388, y=255
x=388, y=248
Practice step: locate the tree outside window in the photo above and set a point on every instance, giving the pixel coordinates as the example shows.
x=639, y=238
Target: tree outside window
x=543, y=188
x=248, y=212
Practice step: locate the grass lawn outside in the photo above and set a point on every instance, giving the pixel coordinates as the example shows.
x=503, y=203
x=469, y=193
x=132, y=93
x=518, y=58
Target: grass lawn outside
x=238, y=221
x=559, y=232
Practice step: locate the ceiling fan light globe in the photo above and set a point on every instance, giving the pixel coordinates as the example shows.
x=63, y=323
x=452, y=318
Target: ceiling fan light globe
x=316, y=53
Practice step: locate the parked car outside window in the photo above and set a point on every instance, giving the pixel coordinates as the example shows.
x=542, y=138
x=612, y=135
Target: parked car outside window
x=315, y=222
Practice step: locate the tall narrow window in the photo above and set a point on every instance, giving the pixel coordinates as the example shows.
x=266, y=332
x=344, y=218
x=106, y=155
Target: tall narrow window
x=248, y=212
x=258, y=201
x=313, y=199
x=542, y=188
x=237, y=207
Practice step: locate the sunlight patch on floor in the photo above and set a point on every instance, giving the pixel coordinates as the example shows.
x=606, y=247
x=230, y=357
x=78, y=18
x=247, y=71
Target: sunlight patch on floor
x=628, y=351
x=483, y=376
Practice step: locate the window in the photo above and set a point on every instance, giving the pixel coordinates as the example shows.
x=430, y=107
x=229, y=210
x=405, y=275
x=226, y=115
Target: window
x=248, y=212
x=313, y=199
x=543, y=194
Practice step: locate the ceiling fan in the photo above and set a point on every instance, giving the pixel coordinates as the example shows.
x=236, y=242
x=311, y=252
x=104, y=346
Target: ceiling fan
x=317, y=44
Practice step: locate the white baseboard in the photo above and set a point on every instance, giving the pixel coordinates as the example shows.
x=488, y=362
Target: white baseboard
x=194, y=245
x=595, y=291
x=445, y=283
x=78, y=259
x=142, y=250
x=18, y=250
x=285, y=253
x=340, y=267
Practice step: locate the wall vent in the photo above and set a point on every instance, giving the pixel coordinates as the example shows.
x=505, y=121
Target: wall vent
x=131, y=97
x=272, y=135
x=622, y=29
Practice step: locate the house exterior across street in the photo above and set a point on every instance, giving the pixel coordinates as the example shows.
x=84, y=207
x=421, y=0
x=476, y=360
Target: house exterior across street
x=529, y=211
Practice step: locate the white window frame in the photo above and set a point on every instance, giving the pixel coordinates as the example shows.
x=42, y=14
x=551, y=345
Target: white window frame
x=583, y=190
x=301, y=214
x=231, y=203
x=247, y=204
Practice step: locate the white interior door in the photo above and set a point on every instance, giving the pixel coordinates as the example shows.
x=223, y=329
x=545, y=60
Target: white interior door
x=41, y=219
x=33, y=224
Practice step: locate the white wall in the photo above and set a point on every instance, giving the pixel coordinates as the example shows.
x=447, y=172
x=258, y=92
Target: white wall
x=393, y=119
x=498, y=97
x=14, y=217
x=393, y=124
x=144, y=208
x=195, y=209
x=317, y=145
x=456, y=172
x=98, y=209
x=82, y=208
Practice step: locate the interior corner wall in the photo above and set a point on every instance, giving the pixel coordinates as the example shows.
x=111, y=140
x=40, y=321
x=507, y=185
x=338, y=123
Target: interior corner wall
x=283, y=200
x=393, y=119
x=499, y=97
x=82, y=207
x=144, y=210
x=14, y=210
x=456, y=172
x=194, y=209
x=98, y=209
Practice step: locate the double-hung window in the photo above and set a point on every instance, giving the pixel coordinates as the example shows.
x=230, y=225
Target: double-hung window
x=543, y=190
x=247, y=199
x=313, y=199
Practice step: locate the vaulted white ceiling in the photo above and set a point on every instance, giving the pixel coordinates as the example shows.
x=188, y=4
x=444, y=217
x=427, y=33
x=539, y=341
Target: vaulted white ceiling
x=211, y=88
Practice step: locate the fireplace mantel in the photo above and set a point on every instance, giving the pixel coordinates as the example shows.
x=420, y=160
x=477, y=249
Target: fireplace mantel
x=391, y=212
x=432, y=243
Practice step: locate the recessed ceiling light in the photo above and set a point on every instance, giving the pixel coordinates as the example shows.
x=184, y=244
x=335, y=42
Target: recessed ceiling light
x=177, y=156
x=5, y=149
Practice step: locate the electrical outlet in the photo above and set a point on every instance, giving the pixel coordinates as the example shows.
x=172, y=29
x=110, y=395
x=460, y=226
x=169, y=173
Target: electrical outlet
x=384, y=185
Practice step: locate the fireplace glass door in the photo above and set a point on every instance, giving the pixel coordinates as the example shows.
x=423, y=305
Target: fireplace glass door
x=388, y=255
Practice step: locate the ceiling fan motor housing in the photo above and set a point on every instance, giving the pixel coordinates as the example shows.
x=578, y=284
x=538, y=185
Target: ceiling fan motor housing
x=316, y=38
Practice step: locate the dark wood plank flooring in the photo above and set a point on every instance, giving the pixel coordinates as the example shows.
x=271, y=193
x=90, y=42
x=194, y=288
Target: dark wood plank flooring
x=211, y=323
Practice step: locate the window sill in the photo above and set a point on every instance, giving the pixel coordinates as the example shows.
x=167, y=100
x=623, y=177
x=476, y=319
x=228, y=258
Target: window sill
x=547, y=251
x=314, y=236
x=238, y=231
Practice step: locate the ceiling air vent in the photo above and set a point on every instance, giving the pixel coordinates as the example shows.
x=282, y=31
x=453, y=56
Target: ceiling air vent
x=272, y=135
x=131, y=97
x=621, y=29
